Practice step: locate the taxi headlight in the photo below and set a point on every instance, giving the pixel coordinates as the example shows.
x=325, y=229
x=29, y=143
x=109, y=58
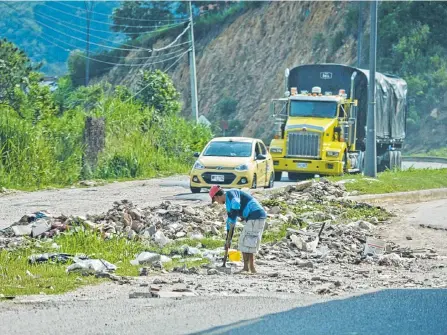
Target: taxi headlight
x=198, y=166
x=242, y=167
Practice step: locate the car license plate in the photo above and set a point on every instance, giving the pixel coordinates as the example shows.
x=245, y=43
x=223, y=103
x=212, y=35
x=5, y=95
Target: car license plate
x=302, y=165
x=217, y=178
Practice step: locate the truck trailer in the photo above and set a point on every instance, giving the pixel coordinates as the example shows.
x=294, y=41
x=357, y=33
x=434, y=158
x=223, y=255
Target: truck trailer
x=321, y=121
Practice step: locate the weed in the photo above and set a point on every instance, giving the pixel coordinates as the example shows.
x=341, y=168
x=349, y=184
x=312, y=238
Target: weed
x=396, y=181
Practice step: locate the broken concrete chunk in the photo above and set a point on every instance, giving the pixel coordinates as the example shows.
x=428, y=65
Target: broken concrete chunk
x=22, y=230
x=40, y=227
x=161, y=239
x=196, y=236
x=136, y=214
x=146, y=258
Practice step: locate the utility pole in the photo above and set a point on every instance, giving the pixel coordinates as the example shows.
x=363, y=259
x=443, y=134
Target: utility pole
x=359, y=35
x=371, y=145
x=192, y=68
x=88, y=15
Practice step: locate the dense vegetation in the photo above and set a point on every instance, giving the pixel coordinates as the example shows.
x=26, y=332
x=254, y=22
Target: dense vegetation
x=412, y=44
x=41, y=132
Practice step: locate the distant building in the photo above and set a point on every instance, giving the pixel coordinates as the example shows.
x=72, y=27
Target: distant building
x=51, y=82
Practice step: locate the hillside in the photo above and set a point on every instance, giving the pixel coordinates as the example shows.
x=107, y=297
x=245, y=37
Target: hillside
x=48, y=30
x=244, y=58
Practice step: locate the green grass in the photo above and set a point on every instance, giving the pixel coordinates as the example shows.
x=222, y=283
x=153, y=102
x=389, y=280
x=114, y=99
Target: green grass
x=271, y=236
x=441, y=152
x=397, y=181
x=51, y=278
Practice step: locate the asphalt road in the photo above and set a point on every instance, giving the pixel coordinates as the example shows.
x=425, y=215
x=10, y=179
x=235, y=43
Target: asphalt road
x=93, y=200
x=384, y=312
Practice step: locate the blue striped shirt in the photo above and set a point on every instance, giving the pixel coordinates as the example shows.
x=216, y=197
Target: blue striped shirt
x=243, y=205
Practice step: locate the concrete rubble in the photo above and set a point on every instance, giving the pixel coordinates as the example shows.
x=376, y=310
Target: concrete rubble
x=320, y=238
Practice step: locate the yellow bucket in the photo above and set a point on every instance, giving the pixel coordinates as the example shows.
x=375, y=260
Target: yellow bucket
x=234, y=255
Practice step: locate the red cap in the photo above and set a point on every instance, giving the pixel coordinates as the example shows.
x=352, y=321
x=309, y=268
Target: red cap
x=214, y=189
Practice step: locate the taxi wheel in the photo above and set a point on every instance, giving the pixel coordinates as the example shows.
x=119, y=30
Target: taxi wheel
x=271, y=181
x=195, y=189
x=254, y=183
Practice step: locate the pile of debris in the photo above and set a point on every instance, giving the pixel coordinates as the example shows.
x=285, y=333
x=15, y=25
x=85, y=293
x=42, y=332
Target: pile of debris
x=317, y=214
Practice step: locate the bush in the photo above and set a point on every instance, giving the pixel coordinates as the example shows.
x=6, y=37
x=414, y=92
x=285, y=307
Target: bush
x=337, y=41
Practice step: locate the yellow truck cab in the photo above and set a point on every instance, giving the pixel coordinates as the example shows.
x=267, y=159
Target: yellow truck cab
x=320, y=128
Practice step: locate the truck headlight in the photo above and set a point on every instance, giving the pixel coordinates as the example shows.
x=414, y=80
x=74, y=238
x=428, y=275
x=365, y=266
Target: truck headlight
x=198, y=166
x=276, y=150
x=242, y=167
x=332, y=153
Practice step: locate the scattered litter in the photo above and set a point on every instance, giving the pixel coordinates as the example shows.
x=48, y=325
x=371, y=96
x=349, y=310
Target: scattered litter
x=91, y=266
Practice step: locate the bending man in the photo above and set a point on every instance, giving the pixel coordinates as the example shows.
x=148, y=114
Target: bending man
x=243, y=205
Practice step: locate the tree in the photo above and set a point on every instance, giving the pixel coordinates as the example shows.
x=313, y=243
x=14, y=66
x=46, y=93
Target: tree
x=157, y=90
x=15, y=68
x=226, y=107
x=134, y=17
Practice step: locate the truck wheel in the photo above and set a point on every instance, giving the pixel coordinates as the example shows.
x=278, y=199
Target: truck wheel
x=392, y=160
x=278, y=176
x=399, y=160
x=196, y=189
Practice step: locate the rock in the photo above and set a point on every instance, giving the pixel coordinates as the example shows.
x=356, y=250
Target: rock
x=137, y=226
x=88, y=183
x=365, y=225
x=190, y=251
x=131, y=235
x=189, y=211
x=197, y=219
x=196, y=236
x=304, y=264
x=22, y=230
x=212, y=272
x=161, y=239
x=127, y=219
x=297, y=241
x=302, y=185
x=275, y=210
x=152, y=230
x=89, y=224
x=409, y=238
x=180, y=288
x=146, y=258
x=180, y=234
x=143, y=272
x=40, y=227
x=391, y=260
x=214, y=230
x=137, y=295
x=165, y=259
x=136, y=214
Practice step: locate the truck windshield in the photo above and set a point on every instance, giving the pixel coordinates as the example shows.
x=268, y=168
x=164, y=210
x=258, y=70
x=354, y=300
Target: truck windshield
x=324, y=109
x=229, y=149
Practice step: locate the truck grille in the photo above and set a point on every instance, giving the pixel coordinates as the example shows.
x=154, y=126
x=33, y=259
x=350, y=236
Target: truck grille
x=303, y=144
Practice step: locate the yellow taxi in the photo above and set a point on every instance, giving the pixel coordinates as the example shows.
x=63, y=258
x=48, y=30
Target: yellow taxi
x=233, y=162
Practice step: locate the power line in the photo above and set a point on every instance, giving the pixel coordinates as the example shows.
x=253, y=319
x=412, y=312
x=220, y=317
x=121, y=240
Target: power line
x=121, y=17
x=102, y=22
x=111, y=31
x=179, y=57
x=106, y=46
x=97, y=60
x=68, y=25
